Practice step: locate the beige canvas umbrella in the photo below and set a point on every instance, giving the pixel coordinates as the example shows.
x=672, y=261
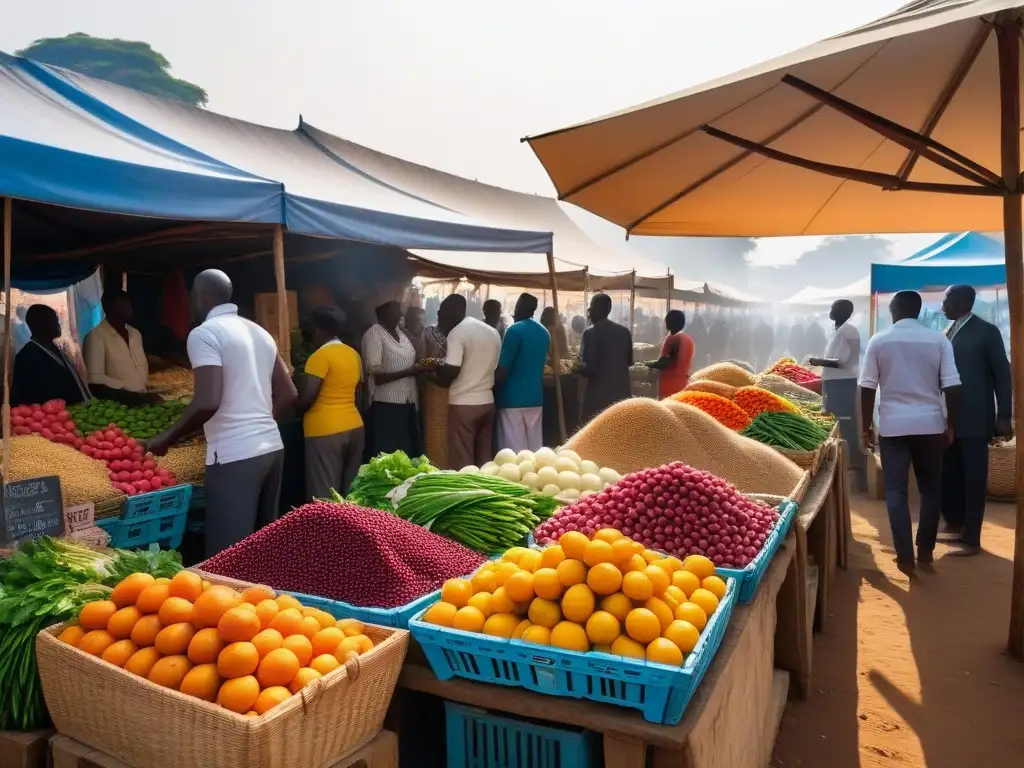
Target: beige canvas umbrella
x=911, y=123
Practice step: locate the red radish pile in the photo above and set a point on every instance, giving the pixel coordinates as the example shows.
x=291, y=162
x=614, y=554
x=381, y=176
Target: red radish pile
x=50, y=420
x=361, y=556
x=131, y=470
x=675, y=509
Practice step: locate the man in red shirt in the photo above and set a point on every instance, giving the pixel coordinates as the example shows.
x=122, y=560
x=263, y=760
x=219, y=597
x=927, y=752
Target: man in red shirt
x=676, y=356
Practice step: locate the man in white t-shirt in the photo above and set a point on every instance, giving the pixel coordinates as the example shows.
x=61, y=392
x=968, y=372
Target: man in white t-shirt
x=913, y=369
x=241, y=387
x=468, y=372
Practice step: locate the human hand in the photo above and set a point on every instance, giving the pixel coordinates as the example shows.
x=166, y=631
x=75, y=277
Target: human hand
x=948, y=437
x=1004, y=428
x=158, y=445
x=867, y=439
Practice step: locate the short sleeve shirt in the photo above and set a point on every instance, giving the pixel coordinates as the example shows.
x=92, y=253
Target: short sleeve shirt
x=334, y=410
x=473, y=347
x=524, y=352
x=844, y=346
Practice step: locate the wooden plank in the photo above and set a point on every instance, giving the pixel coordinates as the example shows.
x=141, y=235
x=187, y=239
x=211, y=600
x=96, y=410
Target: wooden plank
x=817, y=492
x=624, y=752
x=24, y=750
x=780, y=687
x=792, y=630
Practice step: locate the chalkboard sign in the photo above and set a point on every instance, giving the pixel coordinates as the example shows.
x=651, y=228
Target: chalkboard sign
x=31, y=508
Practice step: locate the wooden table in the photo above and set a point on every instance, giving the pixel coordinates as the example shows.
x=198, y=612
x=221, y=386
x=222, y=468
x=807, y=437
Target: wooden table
x=731, y=722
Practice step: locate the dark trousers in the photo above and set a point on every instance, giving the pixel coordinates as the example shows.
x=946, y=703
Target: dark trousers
x=241, y=497
x=470, y=435
x=332, y=462
x=964, y=485
x=924, y=453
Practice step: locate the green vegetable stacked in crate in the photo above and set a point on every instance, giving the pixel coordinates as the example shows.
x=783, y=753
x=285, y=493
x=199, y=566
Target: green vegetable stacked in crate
x=789, y=431
x=141, y=422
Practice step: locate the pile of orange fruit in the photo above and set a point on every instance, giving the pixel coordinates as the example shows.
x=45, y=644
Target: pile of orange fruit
x=606, y=593
x=247, y=652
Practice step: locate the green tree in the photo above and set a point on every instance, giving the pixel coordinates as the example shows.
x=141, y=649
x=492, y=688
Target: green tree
x=129, y=63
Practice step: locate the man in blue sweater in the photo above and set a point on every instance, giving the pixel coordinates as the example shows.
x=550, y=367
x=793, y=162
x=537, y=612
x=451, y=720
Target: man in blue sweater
x=519, y=380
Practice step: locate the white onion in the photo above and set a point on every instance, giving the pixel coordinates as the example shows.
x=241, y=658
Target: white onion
x=568, y=494
x=524, y=456
x=567, y=480
x=591, y=482
x=526, y=466
x=609, y=475
x=509, y=472
x=565, y=464
x=472, y=469
x=545, y=457
x=571, y=455
x=505, y=456
x=547, y=476
x=490, y=468
x=589, y=468
x=530, y=480
x=551, y=490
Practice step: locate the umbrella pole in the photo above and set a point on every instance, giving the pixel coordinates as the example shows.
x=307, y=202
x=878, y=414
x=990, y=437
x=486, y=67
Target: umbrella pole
x=7, y=361
x=556, y=344
x=1008, y=38
x=632, y=302
x=283, y=329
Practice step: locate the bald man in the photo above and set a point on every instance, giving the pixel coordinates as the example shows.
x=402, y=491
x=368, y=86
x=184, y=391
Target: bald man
x=241, y=387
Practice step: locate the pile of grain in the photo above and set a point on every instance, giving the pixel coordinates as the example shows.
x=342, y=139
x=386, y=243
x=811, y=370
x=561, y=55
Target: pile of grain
x=725, y=373
x=81, y=479
x=641, y=433
x=786, y=388
x=174, y=383
x=714, y=387
x=186, y=462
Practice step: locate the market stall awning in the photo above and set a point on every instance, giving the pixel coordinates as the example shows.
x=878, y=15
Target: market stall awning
x=61, y=146
x=963, y=257
x=812, y=296
x=323, y=196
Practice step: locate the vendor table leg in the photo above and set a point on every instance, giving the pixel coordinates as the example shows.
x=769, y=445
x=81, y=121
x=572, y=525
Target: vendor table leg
x=793, y=628
x=624, y=752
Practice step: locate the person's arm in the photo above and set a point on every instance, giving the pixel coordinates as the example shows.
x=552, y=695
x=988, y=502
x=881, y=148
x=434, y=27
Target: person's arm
x=995, y=353
x=665, y=361
x=869, y=376
x=949, y=382
x=209, y=387
x=283, y=393
x=373, y=354
x=589, y=358
x=507, y=358
x=449, y=370
x=316, y=371
x=94, y=351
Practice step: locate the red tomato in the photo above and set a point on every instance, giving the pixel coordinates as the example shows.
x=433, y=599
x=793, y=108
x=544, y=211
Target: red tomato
x=147, y=474
x=69, y=425
x=51, y=407
x=22, y=430
x=79, y=443
x=149, y=464
x=124, y=476
x=156, y=483
x=119, y=442
x=162, y=472
x=130, y=490
x=36, y=426
x=136, y=476
x=110, y=435
x=126, y=450
x=17, y=420
x=143, y=486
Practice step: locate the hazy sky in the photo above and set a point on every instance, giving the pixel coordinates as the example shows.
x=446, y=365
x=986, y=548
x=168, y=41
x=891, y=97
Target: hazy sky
x=452, y=84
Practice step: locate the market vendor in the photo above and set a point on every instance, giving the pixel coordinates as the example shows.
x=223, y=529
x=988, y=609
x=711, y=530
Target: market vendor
x=840, y=368
x=115, y=359
x=607, y=354
x=42, y=369
x=676, y=356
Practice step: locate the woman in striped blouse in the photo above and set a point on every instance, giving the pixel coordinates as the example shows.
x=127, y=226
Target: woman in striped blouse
x=391, y=366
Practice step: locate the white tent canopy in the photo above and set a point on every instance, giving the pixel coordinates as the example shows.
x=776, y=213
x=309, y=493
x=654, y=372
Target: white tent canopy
x=813, y=296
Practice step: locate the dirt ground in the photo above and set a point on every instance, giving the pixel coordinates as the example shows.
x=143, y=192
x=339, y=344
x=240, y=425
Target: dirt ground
x=912, y=674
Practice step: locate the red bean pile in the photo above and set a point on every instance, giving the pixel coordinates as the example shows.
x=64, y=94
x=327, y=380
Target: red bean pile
x=365, y=557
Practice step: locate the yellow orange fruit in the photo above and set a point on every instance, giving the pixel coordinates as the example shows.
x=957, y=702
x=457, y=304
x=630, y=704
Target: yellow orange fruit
x=501, y=602
x=266, y=610
x=700, y=566
x=278, y=667
x=608, y=534
x=521, y=627
x=663, y=651
x=239, y=695
x=545, y=613
x=162, y=580
x=530, y=561
x=674, y=564
x=324, y=663
x=535, y=633
x=202, y=681
x=269, y=640
x=174, y=640
x=670, y=601
x=503, y=572
x=571, y=572
x=618, y=605
x=650, y=555
x=257, y=594
x=642, y=625
x=601, y=648
x=659, y=579
x=513, y=554
x=603, y=628
x=123, y=622
x=546, y=584
x=129, y=588
x=622, y=551
x=683, y=634
x=169, y=671
x=301, y=646
x=326, y=640
x=351, y=627
x=597, y=551
x=694, y=614
x=706, y=600
x=145, y=630
x=685, y=581
x=270, y=698
x=501, y=625
x=302, y=678
x=288, y=601
x=666, y=565
x=310, y=626
x=357, y=644
x=675, y=593
x=152, y=597
x=205, y=646
x=288, y=621
x=628, y=647
x=551, y=556
x=715, y=585
x=118, y=653
x=573, y=544
x=636, y=563
x=660, y=609
x=483, y=581
x=210, y=606
x=604, y=579
x=142, y=661
x=95, y=642
x=578, y=603
x=326, y=620
x=469, y=619
x=186, y=585
x=519, y=587
x=174, y=611
x=637, y=586
x=96, y=615
x=72, y=635
x=440, y=614
x=482, y=602
x=570, y=636
x=457, y=592
x=238, y=660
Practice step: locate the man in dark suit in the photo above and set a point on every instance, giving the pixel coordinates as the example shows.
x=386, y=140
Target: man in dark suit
x=985, y=412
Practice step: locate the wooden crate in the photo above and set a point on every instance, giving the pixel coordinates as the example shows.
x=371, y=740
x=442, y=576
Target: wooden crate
x=24, y=750
x=380, y=752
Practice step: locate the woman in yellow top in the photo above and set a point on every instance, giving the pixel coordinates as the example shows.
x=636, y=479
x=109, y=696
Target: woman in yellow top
x=327, y=403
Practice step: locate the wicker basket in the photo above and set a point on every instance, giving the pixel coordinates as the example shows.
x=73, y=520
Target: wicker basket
x=1002, y=470
x=435, y=423
x=812, y=460
x=147, y=726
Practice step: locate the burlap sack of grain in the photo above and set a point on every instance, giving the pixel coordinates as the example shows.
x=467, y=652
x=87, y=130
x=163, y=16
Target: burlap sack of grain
x=81, y=479
x=785, y=388
x=714, y=387
x=639, y=434
x=435, y=424
x=725, y=373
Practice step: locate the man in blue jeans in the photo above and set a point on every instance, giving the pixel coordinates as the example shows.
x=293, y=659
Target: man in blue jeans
x=913, y=369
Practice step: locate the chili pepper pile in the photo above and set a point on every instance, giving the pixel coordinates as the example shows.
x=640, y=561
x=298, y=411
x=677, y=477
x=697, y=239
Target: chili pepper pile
x=755, y=400
x=724, y=411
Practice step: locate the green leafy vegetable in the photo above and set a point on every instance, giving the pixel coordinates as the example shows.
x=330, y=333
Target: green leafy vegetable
x=382, y=475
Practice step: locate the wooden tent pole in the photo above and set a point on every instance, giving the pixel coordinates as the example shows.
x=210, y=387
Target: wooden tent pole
x=7, y=361
x=586, y=296
x=872, y=313
x=1008, y=38
x=284, y=337
x=632, y=302
x=668, y=293
x=556, y=343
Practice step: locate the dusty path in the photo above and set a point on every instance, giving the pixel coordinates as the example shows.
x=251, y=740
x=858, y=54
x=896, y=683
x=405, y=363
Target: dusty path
x=913, y=675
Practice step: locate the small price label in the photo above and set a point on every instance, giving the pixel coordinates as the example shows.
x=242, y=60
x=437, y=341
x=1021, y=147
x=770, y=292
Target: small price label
x=79, y=517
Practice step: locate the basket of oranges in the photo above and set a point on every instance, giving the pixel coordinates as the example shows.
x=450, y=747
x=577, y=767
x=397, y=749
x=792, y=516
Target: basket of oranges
x=184, y=672
x=598, y=618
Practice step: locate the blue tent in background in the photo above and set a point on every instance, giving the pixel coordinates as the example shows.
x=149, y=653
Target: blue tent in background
x=961, y=257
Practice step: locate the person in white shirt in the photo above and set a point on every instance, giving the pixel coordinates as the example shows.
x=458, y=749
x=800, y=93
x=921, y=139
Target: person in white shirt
x=115, y=360
x=840, y=366
x=241, y=387
x=913, y=370
x=468, y=372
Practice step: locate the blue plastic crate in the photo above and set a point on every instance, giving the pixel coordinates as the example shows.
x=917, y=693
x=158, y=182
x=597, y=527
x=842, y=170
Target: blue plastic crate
x=383, y=617
x=162, y=503
x=478, y=739
x=750, y=577
x=661, y=692
x=159, y=517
